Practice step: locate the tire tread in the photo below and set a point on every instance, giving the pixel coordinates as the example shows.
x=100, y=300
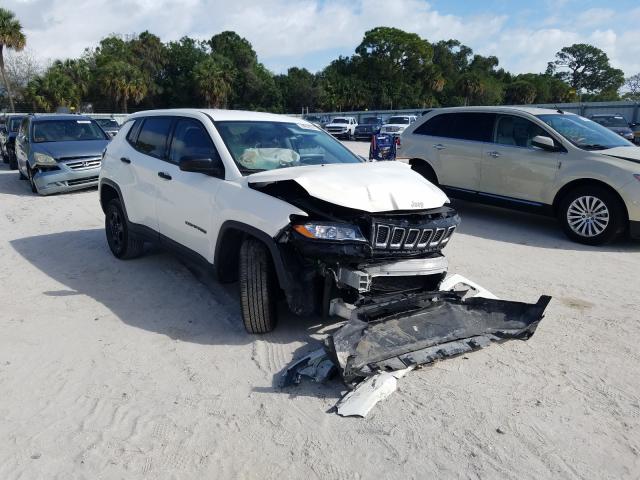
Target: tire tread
x=257, y=285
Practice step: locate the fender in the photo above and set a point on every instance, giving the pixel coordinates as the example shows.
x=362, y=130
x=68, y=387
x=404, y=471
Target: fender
x=284, y=277
x=142, y=230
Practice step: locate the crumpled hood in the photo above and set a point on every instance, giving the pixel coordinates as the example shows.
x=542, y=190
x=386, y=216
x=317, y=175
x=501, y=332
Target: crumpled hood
x=370, y=187
x=625, y=153
x=80, y=148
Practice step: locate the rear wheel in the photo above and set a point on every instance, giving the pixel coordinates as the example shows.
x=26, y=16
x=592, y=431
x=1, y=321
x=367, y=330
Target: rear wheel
x=122, y=243
x=592, y=215
x=258, y=287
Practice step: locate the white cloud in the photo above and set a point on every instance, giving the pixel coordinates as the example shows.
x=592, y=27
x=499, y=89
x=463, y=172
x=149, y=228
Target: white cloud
x=594, y=17
x=290, y=30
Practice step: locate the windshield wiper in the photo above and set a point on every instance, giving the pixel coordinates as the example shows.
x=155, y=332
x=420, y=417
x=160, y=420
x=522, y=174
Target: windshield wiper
x=595, y=146
x=249, y=171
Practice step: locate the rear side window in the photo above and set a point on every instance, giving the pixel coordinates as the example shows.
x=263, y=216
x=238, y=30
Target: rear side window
x=152, y=139
x=476, y=126
x=132, y=135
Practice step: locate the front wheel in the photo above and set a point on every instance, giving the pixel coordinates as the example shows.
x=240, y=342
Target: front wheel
x=32, y=183
x=258, y=287
x=592, y=215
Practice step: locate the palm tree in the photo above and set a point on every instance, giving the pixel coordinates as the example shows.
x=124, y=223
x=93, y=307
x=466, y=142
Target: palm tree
x=213, y=77
x=11, y=36
x=124, y=82
x=470, y=85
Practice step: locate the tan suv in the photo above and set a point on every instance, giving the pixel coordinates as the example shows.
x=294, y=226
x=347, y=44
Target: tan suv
x=538, y=160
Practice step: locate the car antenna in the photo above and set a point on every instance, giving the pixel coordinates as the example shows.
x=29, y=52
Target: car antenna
x=559, y=110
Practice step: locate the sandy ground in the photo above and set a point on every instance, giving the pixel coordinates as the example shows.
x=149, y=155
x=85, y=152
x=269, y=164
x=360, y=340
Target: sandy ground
x=142, y=369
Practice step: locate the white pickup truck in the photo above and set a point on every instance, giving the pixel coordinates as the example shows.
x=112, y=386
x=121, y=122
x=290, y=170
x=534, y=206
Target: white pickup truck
x=342, y=127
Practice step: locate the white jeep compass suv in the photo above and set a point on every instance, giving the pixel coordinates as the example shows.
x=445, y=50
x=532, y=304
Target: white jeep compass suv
x=275, y=203
x=542, y=161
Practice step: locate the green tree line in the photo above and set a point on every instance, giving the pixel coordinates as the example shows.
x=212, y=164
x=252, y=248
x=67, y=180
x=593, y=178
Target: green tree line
x=390, y=69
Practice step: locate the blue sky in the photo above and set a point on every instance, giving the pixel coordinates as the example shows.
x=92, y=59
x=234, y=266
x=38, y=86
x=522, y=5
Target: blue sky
x=524, y=35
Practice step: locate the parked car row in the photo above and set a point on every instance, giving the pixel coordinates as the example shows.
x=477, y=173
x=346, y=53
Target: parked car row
x=348, y=128
x=542, y=161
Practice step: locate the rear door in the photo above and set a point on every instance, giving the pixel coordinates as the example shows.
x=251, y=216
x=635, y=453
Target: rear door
x=143, y=161
x=455, y=142
x=515, y=169
x=186, y=200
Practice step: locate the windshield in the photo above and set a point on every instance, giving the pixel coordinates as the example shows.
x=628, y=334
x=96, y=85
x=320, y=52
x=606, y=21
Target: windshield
x=340, y=120
x=584, y=133
x=259, y=146
x=370, y=120
x=617, y=121
x=66, y=131
x=399, y=120
x=14, y=123
x=107, y=123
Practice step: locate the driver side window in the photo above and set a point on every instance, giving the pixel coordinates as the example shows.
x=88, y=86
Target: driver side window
x=191, y=140
x=517, y=131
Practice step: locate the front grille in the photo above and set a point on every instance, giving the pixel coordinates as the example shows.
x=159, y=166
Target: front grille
x=390, y=237
x=82, y=163
x=82, y=181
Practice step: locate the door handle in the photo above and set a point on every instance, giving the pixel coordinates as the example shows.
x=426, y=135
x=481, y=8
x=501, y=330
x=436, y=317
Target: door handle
x=439, y=146
x=125, y=160
x=164, y=175
x=493, y=154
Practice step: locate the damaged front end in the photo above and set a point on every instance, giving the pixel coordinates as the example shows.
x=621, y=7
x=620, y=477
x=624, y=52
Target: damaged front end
x=343, y=253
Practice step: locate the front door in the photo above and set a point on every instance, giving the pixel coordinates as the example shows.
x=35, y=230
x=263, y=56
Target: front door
x=512, y=167
x=186, y=200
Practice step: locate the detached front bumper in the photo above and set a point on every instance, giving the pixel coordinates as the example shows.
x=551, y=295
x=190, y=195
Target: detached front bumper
x=68, y=177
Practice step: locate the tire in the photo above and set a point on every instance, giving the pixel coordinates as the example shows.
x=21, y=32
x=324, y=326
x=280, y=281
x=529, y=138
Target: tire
x=32, y=184
x=424, y=169
x=592, y=215
x=13, y=164
x=122, y=243
x=258, y=287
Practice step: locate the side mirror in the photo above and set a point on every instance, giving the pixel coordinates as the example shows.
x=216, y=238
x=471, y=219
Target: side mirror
x=208, y=166
x=545, y=143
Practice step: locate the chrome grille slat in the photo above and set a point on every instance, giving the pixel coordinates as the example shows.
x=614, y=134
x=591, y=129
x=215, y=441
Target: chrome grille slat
x=382, y=236
x=397, y=237
x=412, y=238
x=448, y=235
x=425, y=238
x=437, y=237
x=85, y=163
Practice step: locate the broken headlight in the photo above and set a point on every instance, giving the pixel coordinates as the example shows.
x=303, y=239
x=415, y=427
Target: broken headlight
x=44, y=159
x=330, y=231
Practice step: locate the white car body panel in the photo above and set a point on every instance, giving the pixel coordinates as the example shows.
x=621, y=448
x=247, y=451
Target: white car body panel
x=370, y=187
